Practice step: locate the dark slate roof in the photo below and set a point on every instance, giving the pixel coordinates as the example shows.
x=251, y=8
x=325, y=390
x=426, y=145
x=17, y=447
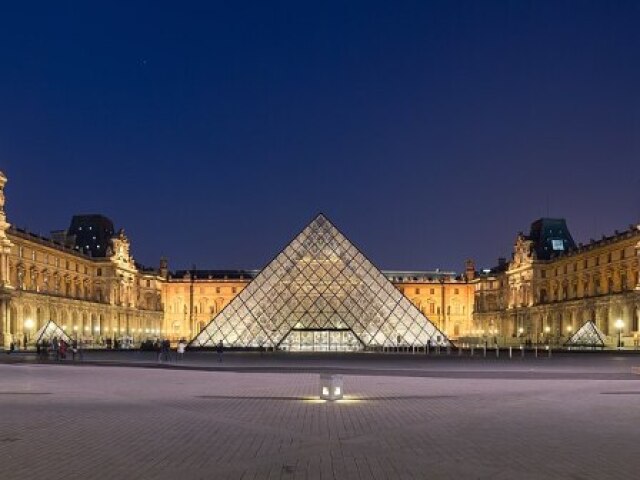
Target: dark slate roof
x=551, y=237
x=216, y=274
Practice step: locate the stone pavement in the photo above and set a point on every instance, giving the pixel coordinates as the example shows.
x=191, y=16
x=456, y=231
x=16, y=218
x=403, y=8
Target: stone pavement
x=86, y=422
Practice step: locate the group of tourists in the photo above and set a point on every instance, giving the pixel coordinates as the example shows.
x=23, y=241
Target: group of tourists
x=163, y=347
x=59, y=348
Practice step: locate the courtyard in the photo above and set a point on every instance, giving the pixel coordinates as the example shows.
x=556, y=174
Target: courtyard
x=121, y=415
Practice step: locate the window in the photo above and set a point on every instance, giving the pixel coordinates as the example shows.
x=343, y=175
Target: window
x=622, y=254
x=543, y=274
x=234, y=290
x=417, y=291
x=432, y=307
x=148, y=283
x=99, y=272
x=456, y=291
x=432, y=292
x=217, y=289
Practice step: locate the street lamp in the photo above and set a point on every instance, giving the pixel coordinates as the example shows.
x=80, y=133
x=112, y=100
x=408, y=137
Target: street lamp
x=28, y=323
x=569, y=329
x=619, y=327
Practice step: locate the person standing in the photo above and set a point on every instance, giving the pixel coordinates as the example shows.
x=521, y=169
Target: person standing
x=63, y=349
x=180, y=350
x=55, y=346
x=220, y=350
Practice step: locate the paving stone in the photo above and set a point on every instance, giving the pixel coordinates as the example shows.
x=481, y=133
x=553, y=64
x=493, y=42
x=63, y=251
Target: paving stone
x=66, y=421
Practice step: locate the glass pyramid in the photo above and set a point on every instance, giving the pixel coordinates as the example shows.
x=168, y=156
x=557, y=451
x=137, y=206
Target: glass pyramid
x=48, y=331
x=320, y=293
x=588, y=335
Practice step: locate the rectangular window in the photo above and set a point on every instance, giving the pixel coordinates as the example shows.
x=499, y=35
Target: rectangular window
x=456, y=291
x=432, y=292
x=417, y=291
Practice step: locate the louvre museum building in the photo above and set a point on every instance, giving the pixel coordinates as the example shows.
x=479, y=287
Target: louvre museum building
x=320, y=293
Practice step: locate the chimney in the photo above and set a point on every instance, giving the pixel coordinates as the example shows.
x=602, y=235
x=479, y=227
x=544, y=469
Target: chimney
x=470, y=269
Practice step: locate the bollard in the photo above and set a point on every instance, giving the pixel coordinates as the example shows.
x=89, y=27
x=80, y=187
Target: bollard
x=472, y=350
x=426, y=352
x=510, y=353
x=549, y=351
x=497, y=352
x=460, y=351
x=536, y=351
x=448, y=349
x=521, y=351
x=484, y=350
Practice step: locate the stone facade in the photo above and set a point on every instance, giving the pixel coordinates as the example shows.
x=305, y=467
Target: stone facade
x=546, y=300
x=91, y=298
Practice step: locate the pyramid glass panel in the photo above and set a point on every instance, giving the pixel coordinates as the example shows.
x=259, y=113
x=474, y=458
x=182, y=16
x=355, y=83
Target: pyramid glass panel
x=320, y=294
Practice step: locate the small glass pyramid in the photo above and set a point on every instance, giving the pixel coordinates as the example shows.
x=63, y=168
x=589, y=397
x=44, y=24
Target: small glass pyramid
x=321, y=294
x=588, y=335
x=48, y=331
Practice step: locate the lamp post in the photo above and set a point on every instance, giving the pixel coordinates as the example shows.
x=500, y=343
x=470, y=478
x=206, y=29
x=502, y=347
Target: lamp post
x=619, y=327
x=547, y=329
x=28, y=323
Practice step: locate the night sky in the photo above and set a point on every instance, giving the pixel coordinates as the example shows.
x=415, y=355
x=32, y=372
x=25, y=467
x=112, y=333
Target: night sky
x=428, y=132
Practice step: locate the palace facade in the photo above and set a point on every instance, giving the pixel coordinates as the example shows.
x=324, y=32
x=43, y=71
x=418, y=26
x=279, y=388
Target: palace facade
x=552, y=286
x=94, y=290
x=86, y=280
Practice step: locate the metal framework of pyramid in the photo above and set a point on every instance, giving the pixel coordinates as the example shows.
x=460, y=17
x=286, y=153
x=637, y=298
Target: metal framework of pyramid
x=588, y=335
x=48, y=331
x=320, y=293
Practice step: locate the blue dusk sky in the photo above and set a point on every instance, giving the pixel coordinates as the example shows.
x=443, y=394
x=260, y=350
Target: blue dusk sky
x=429, y=131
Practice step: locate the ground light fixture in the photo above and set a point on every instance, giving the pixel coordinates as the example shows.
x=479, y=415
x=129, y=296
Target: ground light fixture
x=28, y=323
x=331, y=387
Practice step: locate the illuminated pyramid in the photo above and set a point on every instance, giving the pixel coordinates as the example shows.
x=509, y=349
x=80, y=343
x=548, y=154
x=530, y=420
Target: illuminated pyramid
x=588, y=335
x=320, y=293
x=48, y=331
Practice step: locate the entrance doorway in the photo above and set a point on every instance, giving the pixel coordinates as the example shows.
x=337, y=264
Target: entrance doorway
x=316, y=340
